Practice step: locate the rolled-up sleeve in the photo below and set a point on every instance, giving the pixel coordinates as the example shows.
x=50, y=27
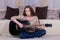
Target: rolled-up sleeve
x=37, y=21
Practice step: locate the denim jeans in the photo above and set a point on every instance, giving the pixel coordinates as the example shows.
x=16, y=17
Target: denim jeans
x=38, y=33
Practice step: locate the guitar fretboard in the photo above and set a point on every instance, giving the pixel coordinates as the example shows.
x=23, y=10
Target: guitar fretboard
x=31, y=25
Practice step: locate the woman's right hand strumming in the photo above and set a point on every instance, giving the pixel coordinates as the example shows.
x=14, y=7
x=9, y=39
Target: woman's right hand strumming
x=21, y=25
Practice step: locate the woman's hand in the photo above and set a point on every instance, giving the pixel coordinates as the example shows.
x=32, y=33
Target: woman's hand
x=21, y=25
x=42, y=26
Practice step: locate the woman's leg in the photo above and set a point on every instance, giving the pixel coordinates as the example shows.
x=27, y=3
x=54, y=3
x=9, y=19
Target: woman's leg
x=40, y=33
x=25, y=35
x=32, y=35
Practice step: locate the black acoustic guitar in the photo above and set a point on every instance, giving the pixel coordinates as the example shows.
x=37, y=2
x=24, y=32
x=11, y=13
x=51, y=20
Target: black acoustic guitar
x=27, y=27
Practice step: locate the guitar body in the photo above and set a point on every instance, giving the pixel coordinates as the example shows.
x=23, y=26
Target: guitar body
x=12, y=27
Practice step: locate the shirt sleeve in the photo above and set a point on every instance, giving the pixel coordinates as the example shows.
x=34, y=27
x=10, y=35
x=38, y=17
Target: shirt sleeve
x=37, y=22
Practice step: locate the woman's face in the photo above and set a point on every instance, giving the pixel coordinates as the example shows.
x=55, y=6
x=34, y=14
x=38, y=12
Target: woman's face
x=27, y=11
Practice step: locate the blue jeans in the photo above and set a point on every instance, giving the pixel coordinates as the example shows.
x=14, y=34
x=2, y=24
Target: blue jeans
x=38, y=33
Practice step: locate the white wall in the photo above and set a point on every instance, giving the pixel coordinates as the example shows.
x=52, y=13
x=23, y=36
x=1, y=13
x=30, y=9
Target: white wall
x=31, y=2
x=16, y=3
x=43, y=3
x=11, y=3
x=39, y=3
x=2, y=4
x=54, y=4
x=5, y=3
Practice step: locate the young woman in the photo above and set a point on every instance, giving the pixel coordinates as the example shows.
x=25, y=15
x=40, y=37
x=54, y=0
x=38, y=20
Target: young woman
x=29, y=15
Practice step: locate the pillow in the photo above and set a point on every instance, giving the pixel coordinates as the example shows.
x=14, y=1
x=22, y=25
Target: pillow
x=41, y=12
x=11, y=12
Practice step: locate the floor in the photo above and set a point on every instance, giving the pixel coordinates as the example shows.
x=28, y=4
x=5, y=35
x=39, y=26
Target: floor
x=42, y=38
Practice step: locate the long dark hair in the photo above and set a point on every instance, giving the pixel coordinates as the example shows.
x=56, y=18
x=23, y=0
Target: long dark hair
x=31, y=10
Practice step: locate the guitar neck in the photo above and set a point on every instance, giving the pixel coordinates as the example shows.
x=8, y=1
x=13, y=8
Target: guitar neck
x=31, y=25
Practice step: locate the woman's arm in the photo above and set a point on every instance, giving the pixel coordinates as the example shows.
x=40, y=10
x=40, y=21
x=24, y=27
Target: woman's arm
x=14, y=20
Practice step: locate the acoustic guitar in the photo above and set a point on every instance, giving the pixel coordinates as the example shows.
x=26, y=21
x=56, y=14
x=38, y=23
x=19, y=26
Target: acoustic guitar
x=28, y=27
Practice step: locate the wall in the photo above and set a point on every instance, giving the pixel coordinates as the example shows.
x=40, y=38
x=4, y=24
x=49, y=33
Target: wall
x=2, y=4
x=53, y=9
x=42, y=3
x=54, y=4
x=17, y=3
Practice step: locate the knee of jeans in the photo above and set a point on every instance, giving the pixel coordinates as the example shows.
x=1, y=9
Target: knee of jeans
x=21, y=35
x=44, y=31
